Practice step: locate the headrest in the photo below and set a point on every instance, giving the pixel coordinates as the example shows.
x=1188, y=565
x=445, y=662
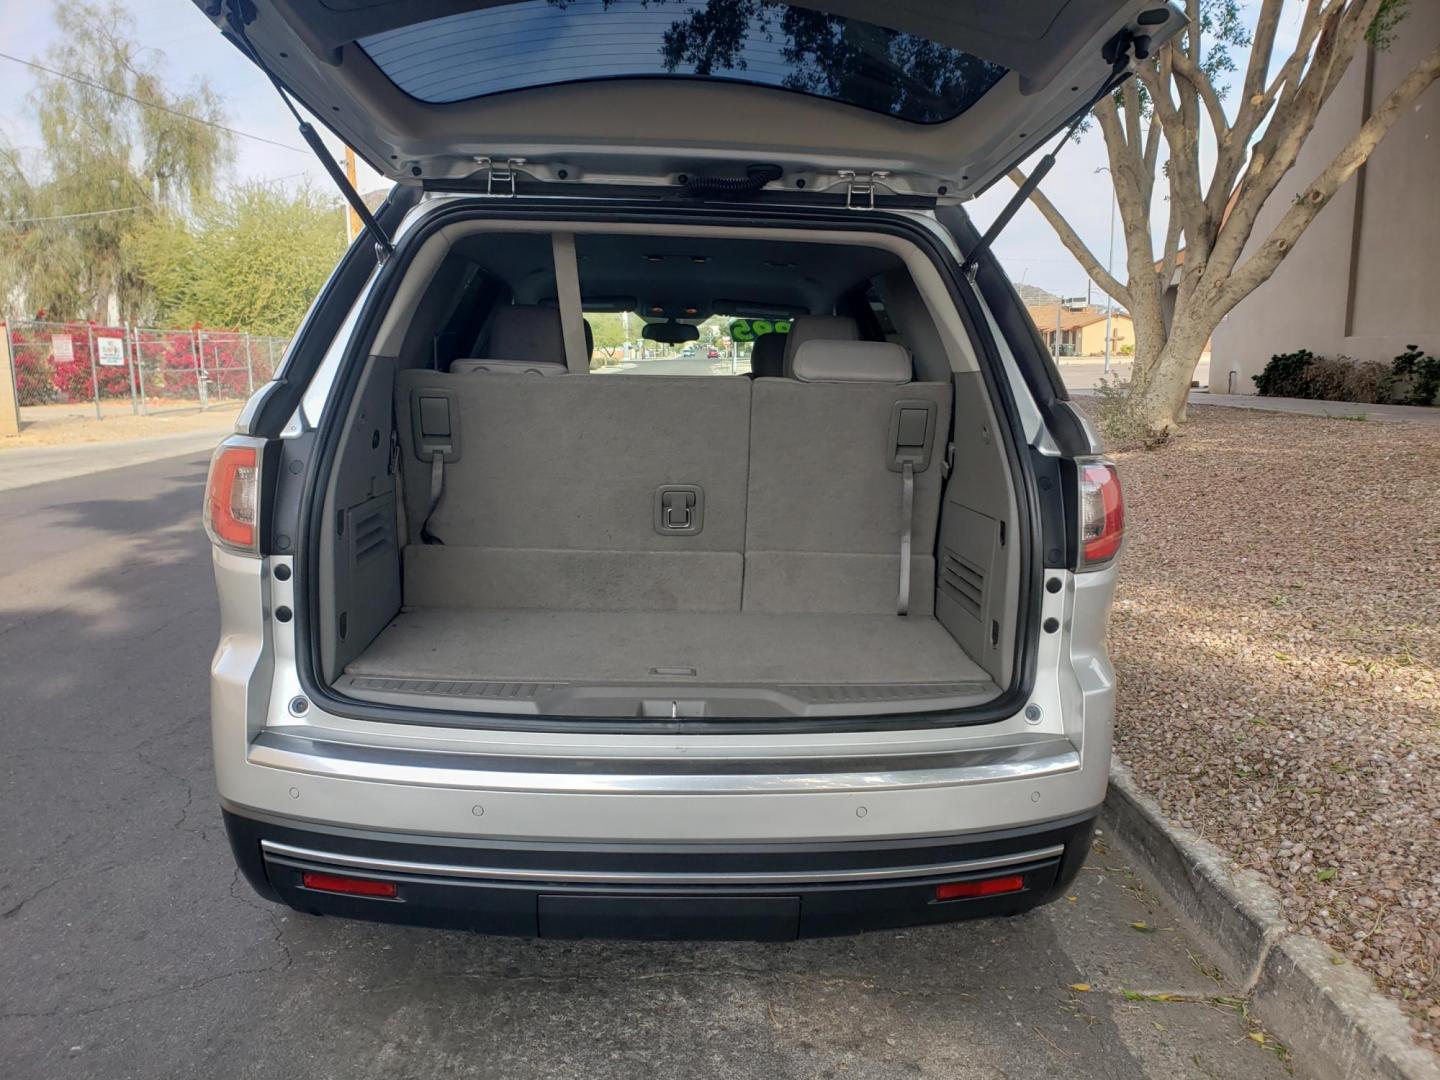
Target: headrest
x=519, y=332
x=506, y=367
x=853, y=362
x=767, y=358
x=816, y=328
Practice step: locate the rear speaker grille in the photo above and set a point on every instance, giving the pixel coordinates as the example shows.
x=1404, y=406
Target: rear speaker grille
x=963, y=582
x=369, y=534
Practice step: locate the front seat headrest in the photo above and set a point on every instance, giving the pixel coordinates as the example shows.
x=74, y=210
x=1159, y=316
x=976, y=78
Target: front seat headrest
x=521, y=332
x=767, y=356
x=816, y=328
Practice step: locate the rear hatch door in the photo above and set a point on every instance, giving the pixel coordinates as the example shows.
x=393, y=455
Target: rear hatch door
x=934, y=98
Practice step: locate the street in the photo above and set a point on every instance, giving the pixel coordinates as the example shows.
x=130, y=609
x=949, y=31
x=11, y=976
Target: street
x=128, y=948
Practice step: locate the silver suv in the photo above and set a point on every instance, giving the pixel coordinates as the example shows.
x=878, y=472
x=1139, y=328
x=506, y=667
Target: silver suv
x=535, y=621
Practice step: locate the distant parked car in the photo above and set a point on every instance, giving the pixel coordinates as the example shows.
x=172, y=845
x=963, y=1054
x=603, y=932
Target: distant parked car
x=713, y=354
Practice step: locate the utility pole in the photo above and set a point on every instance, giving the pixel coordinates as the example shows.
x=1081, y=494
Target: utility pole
x=1109, y=265
x=352, y=219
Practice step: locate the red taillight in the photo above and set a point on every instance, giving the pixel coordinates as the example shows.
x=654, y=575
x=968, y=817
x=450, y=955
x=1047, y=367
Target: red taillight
x=350, y=886
x=1102, y=514
x=232, y=497
x=995, y=886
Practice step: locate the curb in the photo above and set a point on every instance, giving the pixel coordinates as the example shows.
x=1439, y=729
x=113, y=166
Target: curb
x=1336, y=1023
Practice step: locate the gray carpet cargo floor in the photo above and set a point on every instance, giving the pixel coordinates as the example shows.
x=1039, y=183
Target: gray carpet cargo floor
x=625, y=646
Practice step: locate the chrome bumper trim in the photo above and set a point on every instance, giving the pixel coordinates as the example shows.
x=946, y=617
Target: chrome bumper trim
x=1018, y=759
x=297, y=856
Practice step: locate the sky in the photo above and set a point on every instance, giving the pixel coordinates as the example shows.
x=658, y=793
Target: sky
x=193, y=48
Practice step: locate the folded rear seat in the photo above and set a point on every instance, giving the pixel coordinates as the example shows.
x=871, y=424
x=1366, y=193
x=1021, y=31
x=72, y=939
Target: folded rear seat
x=556, y=496
x=827, y=517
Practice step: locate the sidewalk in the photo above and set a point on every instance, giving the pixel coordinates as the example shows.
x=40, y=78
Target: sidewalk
x=1339, y=410
x=25, y=466
x=1343, y=410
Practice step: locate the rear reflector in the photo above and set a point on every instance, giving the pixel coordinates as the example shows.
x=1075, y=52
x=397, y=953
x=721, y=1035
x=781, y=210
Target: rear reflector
x=1102, y=513
x=350, y=886
x=232, y=497
x=995, y=886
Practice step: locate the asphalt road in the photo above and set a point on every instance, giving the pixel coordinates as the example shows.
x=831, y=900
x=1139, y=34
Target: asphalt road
x=128, y=948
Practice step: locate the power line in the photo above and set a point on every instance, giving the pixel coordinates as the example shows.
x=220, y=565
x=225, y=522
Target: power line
x=68, y=217
x=151, y=104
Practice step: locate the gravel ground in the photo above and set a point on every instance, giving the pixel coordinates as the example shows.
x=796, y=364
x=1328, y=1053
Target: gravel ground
x=1277, y=638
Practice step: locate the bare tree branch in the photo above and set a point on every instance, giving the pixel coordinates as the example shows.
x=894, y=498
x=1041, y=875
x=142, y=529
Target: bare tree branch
x=1186, y=198
x=1339, y=34
x=1152, y=157
x=1191, y=73
x=1171, y=254
x=1307, y=206
x=1262, y=45
x=1073, y=244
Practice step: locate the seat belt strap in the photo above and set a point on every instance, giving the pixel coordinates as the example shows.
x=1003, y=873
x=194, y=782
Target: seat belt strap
x=567, y=293
x=907, y=516
x=397, y=472
x=437, y=489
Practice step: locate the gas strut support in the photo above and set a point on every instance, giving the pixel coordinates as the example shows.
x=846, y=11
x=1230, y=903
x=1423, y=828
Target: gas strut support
x=236, y=32
x=1117, y=52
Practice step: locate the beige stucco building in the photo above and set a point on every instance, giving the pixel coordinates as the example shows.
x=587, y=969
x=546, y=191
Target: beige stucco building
x=1362, y=280
x=1082, y=333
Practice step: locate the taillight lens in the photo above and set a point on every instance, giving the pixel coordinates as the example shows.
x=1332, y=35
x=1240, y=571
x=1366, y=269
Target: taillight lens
x=349, y=886
x=967, y=890
x=1102, y=513
x=232, y=497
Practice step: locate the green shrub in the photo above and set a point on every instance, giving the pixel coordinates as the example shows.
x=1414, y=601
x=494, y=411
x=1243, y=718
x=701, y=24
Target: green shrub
x=1286, y=375
x=1115, y=416
x=1414, y=377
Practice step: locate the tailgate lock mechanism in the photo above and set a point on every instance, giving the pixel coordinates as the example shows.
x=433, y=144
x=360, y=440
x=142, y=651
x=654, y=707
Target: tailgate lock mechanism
x=504, y=174
x=679, y=509
x=857, y=189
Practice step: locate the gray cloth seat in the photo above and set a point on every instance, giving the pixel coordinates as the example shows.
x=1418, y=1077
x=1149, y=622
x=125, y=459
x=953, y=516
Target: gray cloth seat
x=825, y=515
x=816, y=328
x=551, y=502
x=767, y=357
x=522, y=340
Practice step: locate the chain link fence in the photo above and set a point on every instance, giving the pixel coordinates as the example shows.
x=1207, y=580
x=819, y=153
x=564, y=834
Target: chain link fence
x=142, y=370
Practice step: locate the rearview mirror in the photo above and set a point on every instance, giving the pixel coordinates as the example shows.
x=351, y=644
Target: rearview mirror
x=670, y=333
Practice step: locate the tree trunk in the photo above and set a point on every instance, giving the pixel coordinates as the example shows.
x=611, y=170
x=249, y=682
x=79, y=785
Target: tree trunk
x=1159, y=402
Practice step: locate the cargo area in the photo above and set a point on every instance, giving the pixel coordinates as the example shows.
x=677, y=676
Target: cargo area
x=827, y=533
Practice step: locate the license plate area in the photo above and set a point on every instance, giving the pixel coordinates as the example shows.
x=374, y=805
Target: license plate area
x=670, y=918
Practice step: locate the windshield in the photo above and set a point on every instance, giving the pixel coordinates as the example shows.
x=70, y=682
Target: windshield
x=761, y=42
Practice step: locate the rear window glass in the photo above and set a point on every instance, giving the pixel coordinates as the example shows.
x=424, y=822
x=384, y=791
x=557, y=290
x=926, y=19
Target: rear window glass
x=723, y=346
x=545, y=42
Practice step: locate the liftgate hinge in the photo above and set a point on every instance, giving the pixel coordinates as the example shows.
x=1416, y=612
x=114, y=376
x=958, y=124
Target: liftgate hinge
x=502, y=174
x=857, y=188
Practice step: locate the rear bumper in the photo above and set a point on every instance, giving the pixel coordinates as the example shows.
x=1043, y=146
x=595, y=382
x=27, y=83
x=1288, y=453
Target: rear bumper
x=673, y=891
